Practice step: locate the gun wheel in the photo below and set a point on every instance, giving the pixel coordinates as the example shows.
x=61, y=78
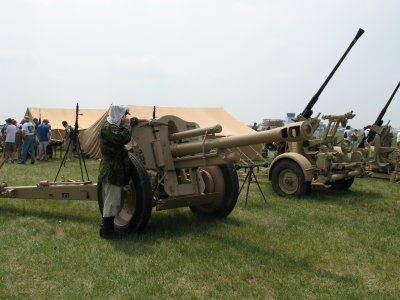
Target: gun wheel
x=288, y=179
x=136, y=199
x=224, y=181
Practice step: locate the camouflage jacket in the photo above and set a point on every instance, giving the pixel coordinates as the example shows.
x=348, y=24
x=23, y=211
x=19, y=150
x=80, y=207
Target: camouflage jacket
x=114, y=166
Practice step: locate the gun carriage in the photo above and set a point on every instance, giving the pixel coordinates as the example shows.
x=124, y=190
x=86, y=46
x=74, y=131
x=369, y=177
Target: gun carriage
x=382, y=160
x=328, y=165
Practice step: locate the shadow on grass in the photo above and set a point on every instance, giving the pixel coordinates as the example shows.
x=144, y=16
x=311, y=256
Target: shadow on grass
x=294, y=264
x=166, y=225
x=176, y=223
x=170, y=225
x=321, y=194
x=12, y=211
x=337, y=196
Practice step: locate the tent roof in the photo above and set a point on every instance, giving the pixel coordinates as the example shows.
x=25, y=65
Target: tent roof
x=87, y=117
x=90, y=121
x=203, y=116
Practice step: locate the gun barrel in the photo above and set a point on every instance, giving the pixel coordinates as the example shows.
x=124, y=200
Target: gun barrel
x=307, y=112
x=292, y=132
x=383, y=112
x=378, y=121
x=195, y=132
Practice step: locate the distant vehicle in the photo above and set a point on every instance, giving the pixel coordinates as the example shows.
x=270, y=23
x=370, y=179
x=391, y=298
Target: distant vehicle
x=267, y=124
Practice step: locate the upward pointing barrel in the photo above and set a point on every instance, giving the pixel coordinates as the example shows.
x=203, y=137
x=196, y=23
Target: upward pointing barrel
x=307, y=112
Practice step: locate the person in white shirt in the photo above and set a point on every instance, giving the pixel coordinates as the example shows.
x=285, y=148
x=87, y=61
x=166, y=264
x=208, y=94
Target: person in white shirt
x=367, y=129
x=10, y=141
x=398, y=138
x=347, y=133
x=28, y=137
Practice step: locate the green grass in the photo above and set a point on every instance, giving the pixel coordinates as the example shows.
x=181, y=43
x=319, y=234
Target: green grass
x=327, y=245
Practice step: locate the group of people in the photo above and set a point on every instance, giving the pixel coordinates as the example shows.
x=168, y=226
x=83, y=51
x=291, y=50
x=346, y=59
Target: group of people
x=29, y=139
x=353, y=135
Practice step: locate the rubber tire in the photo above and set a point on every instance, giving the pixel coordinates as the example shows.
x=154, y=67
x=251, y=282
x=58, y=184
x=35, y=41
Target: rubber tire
x=225, y=180
x=136, y=209
x=342, y=185
x=291, y=168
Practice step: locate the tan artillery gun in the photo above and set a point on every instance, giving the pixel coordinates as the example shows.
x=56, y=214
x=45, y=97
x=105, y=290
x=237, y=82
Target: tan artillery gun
x=328, y=165
x=382, y=159
x=172, y=164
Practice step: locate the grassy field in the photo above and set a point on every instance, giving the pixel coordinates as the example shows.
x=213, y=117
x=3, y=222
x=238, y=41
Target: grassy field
x=343, y=245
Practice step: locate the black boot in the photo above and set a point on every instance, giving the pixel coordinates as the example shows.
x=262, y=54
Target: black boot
x=107, y=228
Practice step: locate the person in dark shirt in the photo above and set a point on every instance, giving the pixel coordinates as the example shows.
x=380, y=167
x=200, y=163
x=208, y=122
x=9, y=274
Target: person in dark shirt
x=43, y=134
x=114, y=135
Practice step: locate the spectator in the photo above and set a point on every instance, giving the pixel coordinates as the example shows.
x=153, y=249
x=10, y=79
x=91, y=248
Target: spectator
x=18, y=142
x=317, y=133
x=10, y=141
x=347, y=133
x=49, y=148
x=354, y=138
x=398, y=138
x=43, y=133
x=3, y=138
x=28, y=137
x=36, y=124
x=3, y=132
x=67, y=142
x=367, y=129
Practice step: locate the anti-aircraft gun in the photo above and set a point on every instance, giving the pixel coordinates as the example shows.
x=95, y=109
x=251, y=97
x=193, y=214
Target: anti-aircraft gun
x=382, y=160
x=328, y=164
x=378, y=122
x=307, y=112
x=173, y=163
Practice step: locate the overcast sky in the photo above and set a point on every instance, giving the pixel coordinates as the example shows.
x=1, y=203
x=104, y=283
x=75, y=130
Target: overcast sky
x=256, y=59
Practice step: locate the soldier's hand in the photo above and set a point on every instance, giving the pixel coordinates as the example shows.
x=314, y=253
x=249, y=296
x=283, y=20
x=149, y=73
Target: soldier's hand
x=133, y=121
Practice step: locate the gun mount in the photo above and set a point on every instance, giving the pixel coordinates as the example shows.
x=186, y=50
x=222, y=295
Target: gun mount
x=379, y=120
x=328, y=165
x=381, y=158
x=172, y=163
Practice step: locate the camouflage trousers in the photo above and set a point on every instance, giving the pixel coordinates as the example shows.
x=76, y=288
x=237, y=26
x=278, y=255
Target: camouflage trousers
x=112, y=200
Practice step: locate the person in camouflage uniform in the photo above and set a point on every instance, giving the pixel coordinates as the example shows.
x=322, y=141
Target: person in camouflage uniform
x=114, y=135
